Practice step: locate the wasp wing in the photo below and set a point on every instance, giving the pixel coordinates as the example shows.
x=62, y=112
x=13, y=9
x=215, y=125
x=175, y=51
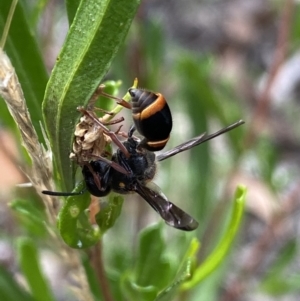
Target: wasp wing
x=172, y=215
x=196, y=141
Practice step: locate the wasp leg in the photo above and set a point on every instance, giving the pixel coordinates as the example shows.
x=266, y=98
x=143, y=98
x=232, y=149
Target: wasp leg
x=108, y=132
x=114, y=165
x=120, y=101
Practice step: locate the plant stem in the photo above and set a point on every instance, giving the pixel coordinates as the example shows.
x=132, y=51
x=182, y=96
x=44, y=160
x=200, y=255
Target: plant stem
x=96, y=261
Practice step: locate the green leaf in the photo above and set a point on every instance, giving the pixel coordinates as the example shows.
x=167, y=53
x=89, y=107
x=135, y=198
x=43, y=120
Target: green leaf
x=111, y=88
x=23, y=51
x=98, y=29
x=74, y=224
x=36, y=11
x=219, y=253
x=295, y=35
x=72, y=6
x=152, y=266
x=153, y=269
x=30, y=266
x=30, y=216
x=197, y=99
x=135, y=292
x=10, y=289
x=280, y=285
x=184, y=273
x=109, y=213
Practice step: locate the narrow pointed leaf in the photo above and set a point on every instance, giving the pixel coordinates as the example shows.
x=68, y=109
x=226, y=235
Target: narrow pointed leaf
x=72, y=6
x=184, y=274
x=74, y=224
x=24, y=53
x=30, y=266
x=218, y=254
x=98, y=29
x=10, y=289
x=108, y=215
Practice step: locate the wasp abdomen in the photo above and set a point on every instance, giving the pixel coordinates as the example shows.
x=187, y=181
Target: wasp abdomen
x=152, y=118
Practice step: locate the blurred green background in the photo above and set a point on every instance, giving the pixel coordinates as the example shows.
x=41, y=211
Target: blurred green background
x=215, y=62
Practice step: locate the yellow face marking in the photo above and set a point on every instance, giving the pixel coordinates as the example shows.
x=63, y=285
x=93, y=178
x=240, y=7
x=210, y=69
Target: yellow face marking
x=121, y=185
x=155, y=107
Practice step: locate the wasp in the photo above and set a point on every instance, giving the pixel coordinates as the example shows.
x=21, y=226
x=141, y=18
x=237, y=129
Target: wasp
x=140, y=169
x=133, y=166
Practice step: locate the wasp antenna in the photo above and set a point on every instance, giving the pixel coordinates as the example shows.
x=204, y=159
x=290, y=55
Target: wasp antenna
x=222, y=131
x=58, y=193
